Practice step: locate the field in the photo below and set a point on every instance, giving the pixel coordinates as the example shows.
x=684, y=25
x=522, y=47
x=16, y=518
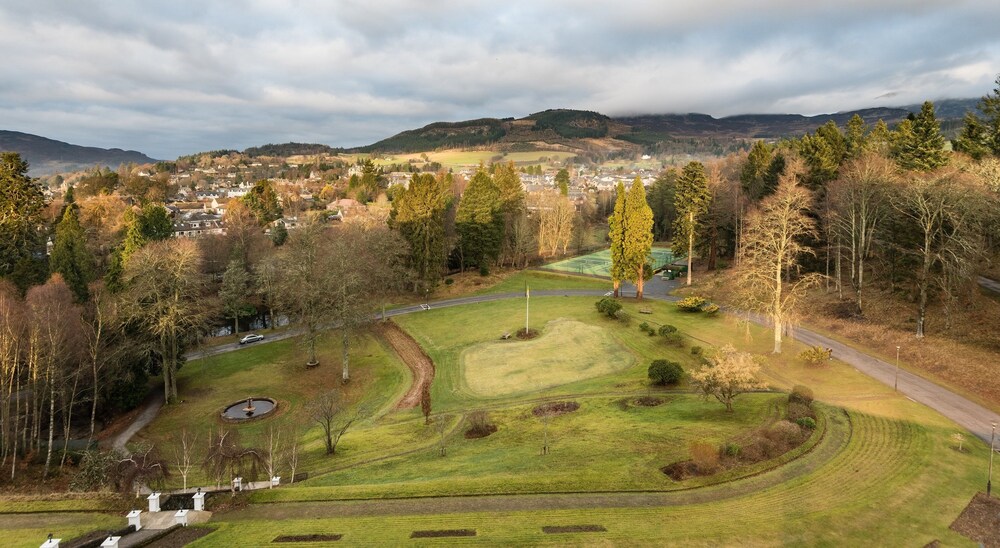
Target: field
x=879, y=469
x=599, y=262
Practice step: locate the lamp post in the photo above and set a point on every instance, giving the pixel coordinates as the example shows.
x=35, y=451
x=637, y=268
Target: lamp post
x=895, y=384
x=989, y=477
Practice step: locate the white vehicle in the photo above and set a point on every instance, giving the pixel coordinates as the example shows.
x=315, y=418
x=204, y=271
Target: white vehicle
x=252, y=337
x=425, y=307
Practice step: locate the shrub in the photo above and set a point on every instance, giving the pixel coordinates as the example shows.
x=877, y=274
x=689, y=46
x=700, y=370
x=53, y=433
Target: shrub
x=480, y=425
x=758, y=448
x=674, y=339
x=624, y=317
x=449, y=281
x=797, y=410
x=806, y=422
x=704, y=456
x=784, y=433
x=731, y=449
x=644, y=327
x=666, y=329
x=711, y=309
x=692, y=303
x=697, y=351
x=815, y=355
x=484, y=270
x=609, y=307
x=663, y=372
x=801, y=394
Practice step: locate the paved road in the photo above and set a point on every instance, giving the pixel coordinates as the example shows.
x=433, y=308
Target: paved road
x=989, y=284
x=967, y=414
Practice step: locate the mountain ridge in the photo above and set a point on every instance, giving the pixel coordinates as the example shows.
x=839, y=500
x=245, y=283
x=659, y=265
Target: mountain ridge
x=48, y=156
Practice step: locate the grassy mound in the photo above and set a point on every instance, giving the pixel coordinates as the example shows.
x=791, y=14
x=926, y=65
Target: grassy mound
x=567, y=351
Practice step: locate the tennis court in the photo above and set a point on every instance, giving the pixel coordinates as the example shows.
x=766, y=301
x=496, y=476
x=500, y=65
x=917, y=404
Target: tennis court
x=599, y=263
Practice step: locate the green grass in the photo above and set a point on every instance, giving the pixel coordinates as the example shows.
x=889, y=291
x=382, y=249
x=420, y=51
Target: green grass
x=599, y=262
x=31, y=530
x=565, y=352
x=540, y=281
x=277, y=370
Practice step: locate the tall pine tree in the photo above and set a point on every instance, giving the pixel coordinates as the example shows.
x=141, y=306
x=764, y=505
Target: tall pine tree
x=418, y=213
x=479, y=222
x=70, y=256
x=920, y=145
x=691, y=200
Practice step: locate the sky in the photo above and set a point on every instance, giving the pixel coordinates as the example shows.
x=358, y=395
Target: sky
x=175, y=77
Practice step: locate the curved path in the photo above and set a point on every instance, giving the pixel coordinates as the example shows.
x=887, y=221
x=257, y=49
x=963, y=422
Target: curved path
x=414, y=357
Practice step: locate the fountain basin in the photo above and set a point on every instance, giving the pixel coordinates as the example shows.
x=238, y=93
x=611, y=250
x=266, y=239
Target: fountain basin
x=248, y=409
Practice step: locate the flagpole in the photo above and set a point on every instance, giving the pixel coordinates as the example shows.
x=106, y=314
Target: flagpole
x=527, y=298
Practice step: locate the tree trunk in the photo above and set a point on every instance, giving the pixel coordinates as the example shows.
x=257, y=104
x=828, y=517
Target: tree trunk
x=690, y=244
x=617, y=285
x=52, y=426
x=639, y=283
x=345, y=357
x=776, y=310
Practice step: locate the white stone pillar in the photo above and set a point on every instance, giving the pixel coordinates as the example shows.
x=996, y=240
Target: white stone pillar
x=199, y=501
x=110, y=542
x=133, y=519
x=154, y=502
x=181, y=518
x=237, y=484
x=275, y=481
x=51, y=542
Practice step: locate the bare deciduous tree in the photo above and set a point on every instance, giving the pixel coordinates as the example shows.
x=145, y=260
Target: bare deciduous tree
x=328, y=411
x=226, y=454
x=728, y=374
x=768, y=281
x=184, y=452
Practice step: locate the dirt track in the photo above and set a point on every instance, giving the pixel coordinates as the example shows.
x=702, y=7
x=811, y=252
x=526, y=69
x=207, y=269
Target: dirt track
x=414, y=357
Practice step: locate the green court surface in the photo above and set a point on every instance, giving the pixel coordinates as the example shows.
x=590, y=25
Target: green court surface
x=599, y=262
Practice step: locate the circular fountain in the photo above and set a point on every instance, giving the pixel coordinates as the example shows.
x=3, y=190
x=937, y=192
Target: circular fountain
x=248, y=409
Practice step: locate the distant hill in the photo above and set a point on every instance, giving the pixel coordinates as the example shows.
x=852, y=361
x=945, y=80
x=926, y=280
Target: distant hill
x=290, y=149
x=586, y=130
x=48, y=156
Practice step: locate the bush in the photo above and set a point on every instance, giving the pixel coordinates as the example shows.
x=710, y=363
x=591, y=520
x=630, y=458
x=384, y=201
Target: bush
x=691, y=304
x=731, y=449
x=797, y=410
x=806, y=422
x=711, y=309
x=759, y=448
x=609, y=307
x=624, y=317
x=484, y=270
x=480, y=425
x=815, y=355
x=674, y=339
x=666, y=329
x=784, y=433
x=704, y=456
x=644, y=327
x=663, y=372
x=801, y=394
x=697, y=351
x=449, y=281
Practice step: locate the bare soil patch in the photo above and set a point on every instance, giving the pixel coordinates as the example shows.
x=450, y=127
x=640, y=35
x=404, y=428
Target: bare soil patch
x=414, y=357
x=557, y=529
x=980, y=521
x=648, y=401
x=527, y=334
x=554, y=409
x=440, y=533
x=308, y=538
x=476, y=433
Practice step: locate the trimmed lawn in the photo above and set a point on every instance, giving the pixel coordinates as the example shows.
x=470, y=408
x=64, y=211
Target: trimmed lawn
x=566, y=351
x=539, y=280
x=31, y=530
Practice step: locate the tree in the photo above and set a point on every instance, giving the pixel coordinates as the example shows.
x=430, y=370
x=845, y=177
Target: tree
x=142, y=467
x=728, y=374
x=974, y=139
x=328, y=411
x=562, y=181
x=943, y=210
x=556, y=216
x=226, y=455
x=235, y=291
x=759, y=175
x=661, y=201
x=771, y=248
x=856, y=139
x=691, y=201
x=511, y=205
x=263, y=202
x=70, y=256
x=185, y=453
x=267, y=280
x=164, y=298
x=306, y=284
x=920, y=145
x=21, y=204
x=479, y=222
x=418, y=214
x=616, y=234
x=425, y=402
x=279, y=234
x=638, y=235
x=859, y=200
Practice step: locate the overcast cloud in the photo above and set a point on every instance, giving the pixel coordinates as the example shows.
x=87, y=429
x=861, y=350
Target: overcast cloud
x=175, y=77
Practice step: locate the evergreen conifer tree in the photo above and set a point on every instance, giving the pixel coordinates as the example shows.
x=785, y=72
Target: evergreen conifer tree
x=691, y=200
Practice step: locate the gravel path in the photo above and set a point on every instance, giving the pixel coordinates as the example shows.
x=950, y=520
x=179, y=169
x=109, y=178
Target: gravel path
x=145, y=417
